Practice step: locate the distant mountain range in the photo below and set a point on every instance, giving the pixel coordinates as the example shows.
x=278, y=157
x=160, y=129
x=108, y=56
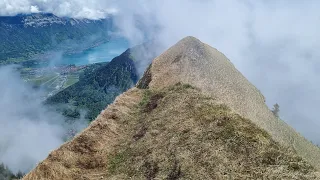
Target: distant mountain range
x=25, y=36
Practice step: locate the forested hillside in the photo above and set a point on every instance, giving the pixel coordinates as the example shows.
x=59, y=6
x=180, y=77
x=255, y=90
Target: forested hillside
x=98, y=87
x=24, y=36
x=100, y=84
x=6, y=174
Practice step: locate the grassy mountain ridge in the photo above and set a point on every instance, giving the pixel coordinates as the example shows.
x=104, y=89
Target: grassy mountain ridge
x=191, y=116
x=174, y=133
x=192, y=62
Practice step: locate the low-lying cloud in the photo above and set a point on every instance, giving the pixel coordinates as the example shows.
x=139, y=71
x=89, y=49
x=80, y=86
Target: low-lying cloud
x=28, y=129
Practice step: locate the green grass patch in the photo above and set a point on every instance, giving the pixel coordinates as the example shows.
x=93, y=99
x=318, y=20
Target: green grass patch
x=117, y=162
x=145, y=98
x=43, y=79
x=180, y=87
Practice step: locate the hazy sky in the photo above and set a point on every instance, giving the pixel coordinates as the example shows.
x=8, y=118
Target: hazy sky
x=274, y=43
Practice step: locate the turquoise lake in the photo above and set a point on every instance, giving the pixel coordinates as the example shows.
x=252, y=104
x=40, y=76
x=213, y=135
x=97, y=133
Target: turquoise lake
x=102, y=53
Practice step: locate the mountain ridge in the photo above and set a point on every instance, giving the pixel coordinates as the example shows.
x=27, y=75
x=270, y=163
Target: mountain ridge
x=172, y=126
x=42, y=19
x=218, y=77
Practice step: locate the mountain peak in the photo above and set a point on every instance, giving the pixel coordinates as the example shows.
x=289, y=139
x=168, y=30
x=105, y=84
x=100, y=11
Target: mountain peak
x=196, y=63
x=192, y=62
x=190, y=41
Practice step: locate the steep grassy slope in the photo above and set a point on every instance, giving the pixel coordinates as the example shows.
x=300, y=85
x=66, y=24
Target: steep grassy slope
x=175, y=133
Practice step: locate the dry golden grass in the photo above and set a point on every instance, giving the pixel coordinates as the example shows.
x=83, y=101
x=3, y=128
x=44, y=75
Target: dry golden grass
x=183, y=134
x=175, y=133
x=192, y=62
x=85, y=157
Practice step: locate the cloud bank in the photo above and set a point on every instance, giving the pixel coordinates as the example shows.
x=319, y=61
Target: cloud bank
x=93, y=9
x=28, y=130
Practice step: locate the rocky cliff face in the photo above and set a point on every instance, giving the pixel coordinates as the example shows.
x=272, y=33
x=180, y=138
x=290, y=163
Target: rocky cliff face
x=191, y=116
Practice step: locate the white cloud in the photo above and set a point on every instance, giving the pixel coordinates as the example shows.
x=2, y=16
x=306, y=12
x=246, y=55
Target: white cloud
x=28, y=130
x=93, y=9
x=9, y=7
x=34, y=9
